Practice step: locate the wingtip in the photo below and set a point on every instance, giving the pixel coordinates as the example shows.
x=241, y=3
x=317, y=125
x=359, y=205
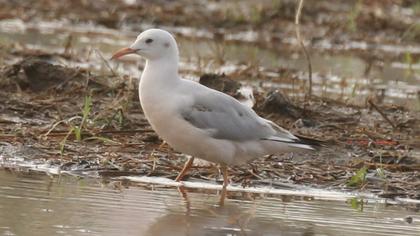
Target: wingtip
x=303, y=146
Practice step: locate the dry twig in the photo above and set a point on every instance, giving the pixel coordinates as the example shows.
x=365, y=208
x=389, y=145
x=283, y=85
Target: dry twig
x=382, y=113
x=300, y=40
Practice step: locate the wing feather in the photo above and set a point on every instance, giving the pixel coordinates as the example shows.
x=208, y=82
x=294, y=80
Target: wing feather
x=226, y=118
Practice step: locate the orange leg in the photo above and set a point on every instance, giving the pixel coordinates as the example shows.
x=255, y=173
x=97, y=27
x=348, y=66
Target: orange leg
x=184, y=195
x=184, y=170
x=223, y=168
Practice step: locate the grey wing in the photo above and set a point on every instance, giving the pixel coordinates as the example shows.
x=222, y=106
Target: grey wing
x=226, y=118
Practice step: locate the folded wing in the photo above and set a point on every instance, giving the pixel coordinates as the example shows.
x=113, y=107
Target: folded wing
x=226, y=118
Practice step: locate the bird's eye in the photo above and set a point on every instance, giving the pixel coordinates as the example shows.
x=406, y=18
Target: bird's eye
x=149, y=41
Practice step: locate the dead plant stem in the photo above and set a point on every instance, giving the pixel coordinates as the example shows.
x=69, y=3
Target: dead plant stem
x=301, y=43
x=381, y=113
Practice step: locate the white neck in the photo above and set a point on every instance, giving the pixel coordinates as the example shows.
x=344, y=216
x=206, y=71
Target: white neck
x=160, y=71
x=159, y=77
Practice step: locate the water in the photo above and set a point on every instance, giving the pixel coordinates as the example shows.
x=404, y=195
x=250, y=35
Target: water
x=35, y=204
x=338, y=73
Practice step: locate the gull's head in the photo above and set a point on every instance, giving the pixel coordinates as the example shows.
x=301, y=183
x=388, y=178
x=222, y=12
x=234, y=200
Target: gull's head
x=152, y=44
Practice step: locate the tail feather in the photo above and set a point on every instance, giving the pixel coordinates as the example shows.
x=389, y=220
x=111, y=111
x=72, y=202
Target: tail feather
x=284, y=136
x=298, y=142
x=314, y=143
x=302, y=146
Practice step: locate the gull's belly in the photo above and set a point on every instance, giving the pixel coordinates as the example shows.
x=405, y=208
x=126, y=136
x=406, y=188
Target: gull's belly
x=170, y=126
x=183, y=137
x=167, y=122
x=187, y=139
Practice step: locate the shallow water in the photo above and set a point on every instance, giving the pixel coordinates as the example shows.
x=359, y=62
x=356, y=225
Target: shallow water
x=338, y=72
x=35, y=204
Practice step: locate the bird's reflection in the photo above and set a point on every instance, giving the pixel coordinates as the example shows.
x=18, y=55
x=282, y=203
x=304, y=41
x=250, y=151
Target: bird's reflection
x=229, y=219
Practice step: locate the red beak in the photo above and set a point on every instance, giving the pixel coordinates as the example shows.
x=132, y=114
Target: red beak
x=122, y=52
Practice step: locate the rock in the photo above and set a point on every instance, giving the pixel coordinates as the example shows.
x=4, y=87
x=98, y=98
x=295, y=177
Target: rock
x=221, y=83
x=276, y=102
x=39, y=74
x=42, y=75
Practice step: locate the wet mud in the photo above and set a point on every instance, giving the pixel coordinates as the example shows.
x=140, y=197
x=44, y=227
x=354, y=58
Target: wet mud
x=89, y=122
x=37, y=121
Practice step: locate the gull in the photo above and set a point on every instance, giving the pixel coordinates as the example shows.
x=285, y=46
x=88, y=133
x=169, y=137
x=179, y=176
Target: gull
x=197, y=120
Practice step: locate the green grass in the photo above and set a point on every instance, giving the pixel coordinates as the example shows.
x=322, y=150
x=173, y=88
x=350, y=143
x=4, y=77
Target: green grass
x=87, y=107
x=118, y=116
x=256, y=15
x=77, y=130
x=64, y=140
x=416, y=7
x=359, y=178
x=356, y=203
x=411, y=33
x=408, y=59
x=81, y=128
x=353, y=15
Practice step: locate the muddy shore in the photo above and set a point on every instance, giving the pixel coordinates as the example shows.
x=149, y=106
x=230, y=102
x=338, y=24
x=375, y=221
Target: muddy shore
x=89, y=121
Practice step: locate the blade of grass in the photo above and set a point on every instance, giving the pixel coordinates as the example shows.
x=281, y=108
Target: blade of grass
x=103, y=139
x=63, y=142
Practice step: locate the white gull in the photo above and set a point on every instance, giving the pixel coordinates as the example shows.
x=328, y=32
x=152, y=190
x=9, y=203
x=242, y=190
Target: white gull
x=197, y=120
